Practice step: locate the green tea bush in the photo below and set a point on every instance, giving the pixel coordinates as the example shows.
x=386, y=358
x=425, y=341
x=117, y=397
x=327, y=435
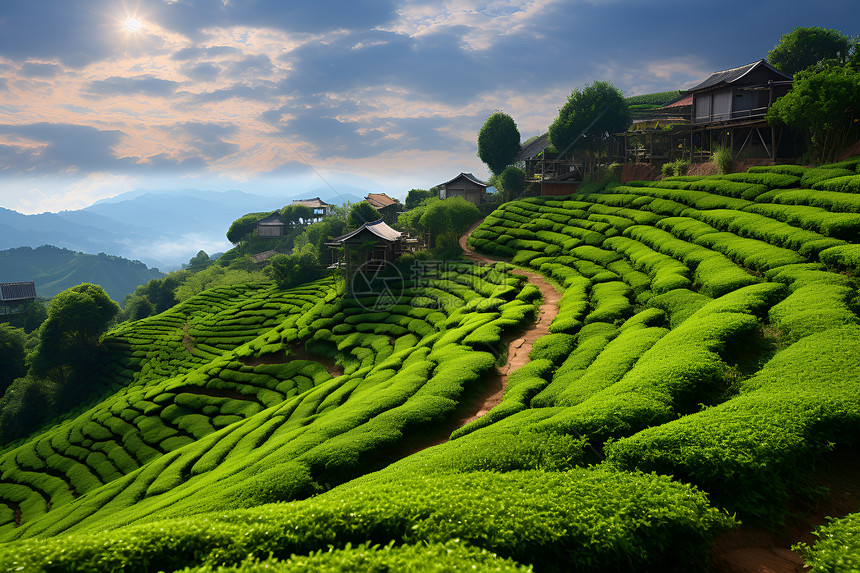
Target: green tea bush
x=813, y=308
x=613, y=362
x=845, y=257
x=837, y=547
x=817, y=175
x=796, y=170
x=833, y=201
x=434, y=557
x=752, y=452
x=839, y=225
x=771, y=180
x=844, y=184
x=583, y=518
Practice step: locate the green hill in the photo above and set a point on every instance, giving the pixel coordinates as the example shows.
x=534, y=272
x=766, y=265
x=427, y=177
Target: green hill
x=54, y=270
x=702, y=364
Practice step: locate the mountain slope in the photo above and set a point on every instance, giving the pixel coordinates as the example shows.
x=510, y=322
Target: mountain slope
x=54, y=270
x=162, y=229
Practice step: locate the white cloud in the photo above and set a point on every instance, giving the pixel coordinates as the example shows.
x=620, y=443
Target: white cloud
x=485, y=22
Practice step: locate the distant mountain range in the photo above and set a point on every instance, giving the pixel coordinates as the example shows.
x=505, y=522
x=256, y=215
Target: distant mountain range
x=54, y=270
x=162, y=229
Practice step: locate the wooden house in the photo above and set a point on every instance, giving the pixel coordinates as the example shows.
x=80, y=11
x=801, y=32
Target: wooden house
x=370, y=246
x=13, y=296
x=656, y=136
x=729, y=109
x=320, y=208
x=558, y=174
x=464, y=185
x=271, y=226
x=387, y=206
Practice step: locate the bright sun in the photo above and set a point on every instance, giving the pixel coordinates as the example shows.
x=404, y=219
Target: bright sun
x=132, y=24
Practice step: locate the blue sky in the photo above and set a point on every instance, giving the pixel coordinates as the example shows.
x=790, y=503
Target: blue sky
x=100, y=97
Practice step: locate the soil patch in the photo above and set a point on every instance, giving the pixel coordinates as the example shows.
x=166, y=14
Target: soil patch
x=751, y=548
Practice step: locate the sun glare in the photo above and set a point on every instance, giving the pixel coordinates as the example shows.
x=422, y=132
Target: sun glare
x=132, y=24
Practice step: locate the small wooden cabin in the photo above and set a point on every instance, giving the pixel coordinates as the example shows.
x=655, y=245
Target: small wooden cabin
x=271, y=226
x=729, y=109
x=464, y=185
x=13, y=296
x=373, y=244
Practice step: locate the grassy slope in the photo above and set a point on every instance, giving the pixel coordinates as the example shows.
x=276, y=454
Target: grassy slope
x=704, y=333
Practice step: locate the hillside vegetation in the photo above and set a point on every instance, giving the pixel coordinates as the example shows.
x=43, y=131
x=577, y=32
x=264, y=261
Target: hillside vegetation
x=702, y=363
x=54, y=270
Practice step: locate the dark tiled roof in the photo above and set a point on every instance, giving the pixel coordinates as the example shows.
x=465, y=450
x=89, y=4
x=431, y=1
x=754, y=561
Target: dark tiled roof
x=17, y=291
x=265, y=255
x=733, y=75
x=470, y=177
x=534, y=148
x=273, y=220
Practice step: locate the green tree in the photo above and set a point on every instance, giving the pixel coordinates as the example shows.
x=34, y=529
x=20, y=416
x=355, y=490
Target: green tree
x=77, y=317
x=498, y=142
x=361, y=213
x=136, y=307
x=317, y=235
x=292, y=270
x=823, y=105
x=29, y=317
x=243, y=228
x=293, y=215
x=445, y=220
x=13, y=355
x=805, y=47
x=588, y=118
x=513, y=182
x=416, y=196
x=199, y=261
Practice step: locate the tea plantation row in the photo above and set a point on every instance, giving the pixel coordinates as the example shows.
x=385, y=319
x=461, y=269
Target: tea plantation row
x=204, y=405
x=707, y=331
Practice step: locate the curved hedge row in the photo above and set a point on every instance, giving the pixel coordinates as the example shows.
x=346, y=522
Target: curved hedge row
x=725, y=280
x=302, y=390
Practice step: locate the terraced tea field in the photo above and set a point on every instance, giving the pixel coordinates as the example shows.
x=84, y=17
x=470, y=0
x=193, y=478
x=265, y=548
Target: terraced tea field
x=702, y=364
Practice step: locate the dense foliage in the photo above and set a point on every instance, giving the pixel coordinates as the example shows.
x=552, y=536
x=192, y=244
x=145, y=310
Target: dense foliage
x=823, y=105
x=804, y=47
x=12, y=355
x=588, y=117
x=498, y=142
x=361, y=213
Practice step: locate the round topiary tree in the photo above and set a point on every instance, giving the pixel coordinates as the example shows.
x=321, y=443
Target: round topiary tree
x=498, y=142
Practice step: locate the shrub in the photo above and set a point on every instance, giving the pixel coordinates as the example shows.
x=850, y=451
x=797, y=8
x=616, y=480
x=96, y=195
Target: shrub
x=837, y=547
x=752, y=452
x=722, y=158
x=588, y=518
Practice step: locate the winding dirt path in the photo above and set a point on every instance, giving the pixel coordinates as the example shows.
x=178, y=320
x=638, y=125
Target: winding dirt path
x=520, y=347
